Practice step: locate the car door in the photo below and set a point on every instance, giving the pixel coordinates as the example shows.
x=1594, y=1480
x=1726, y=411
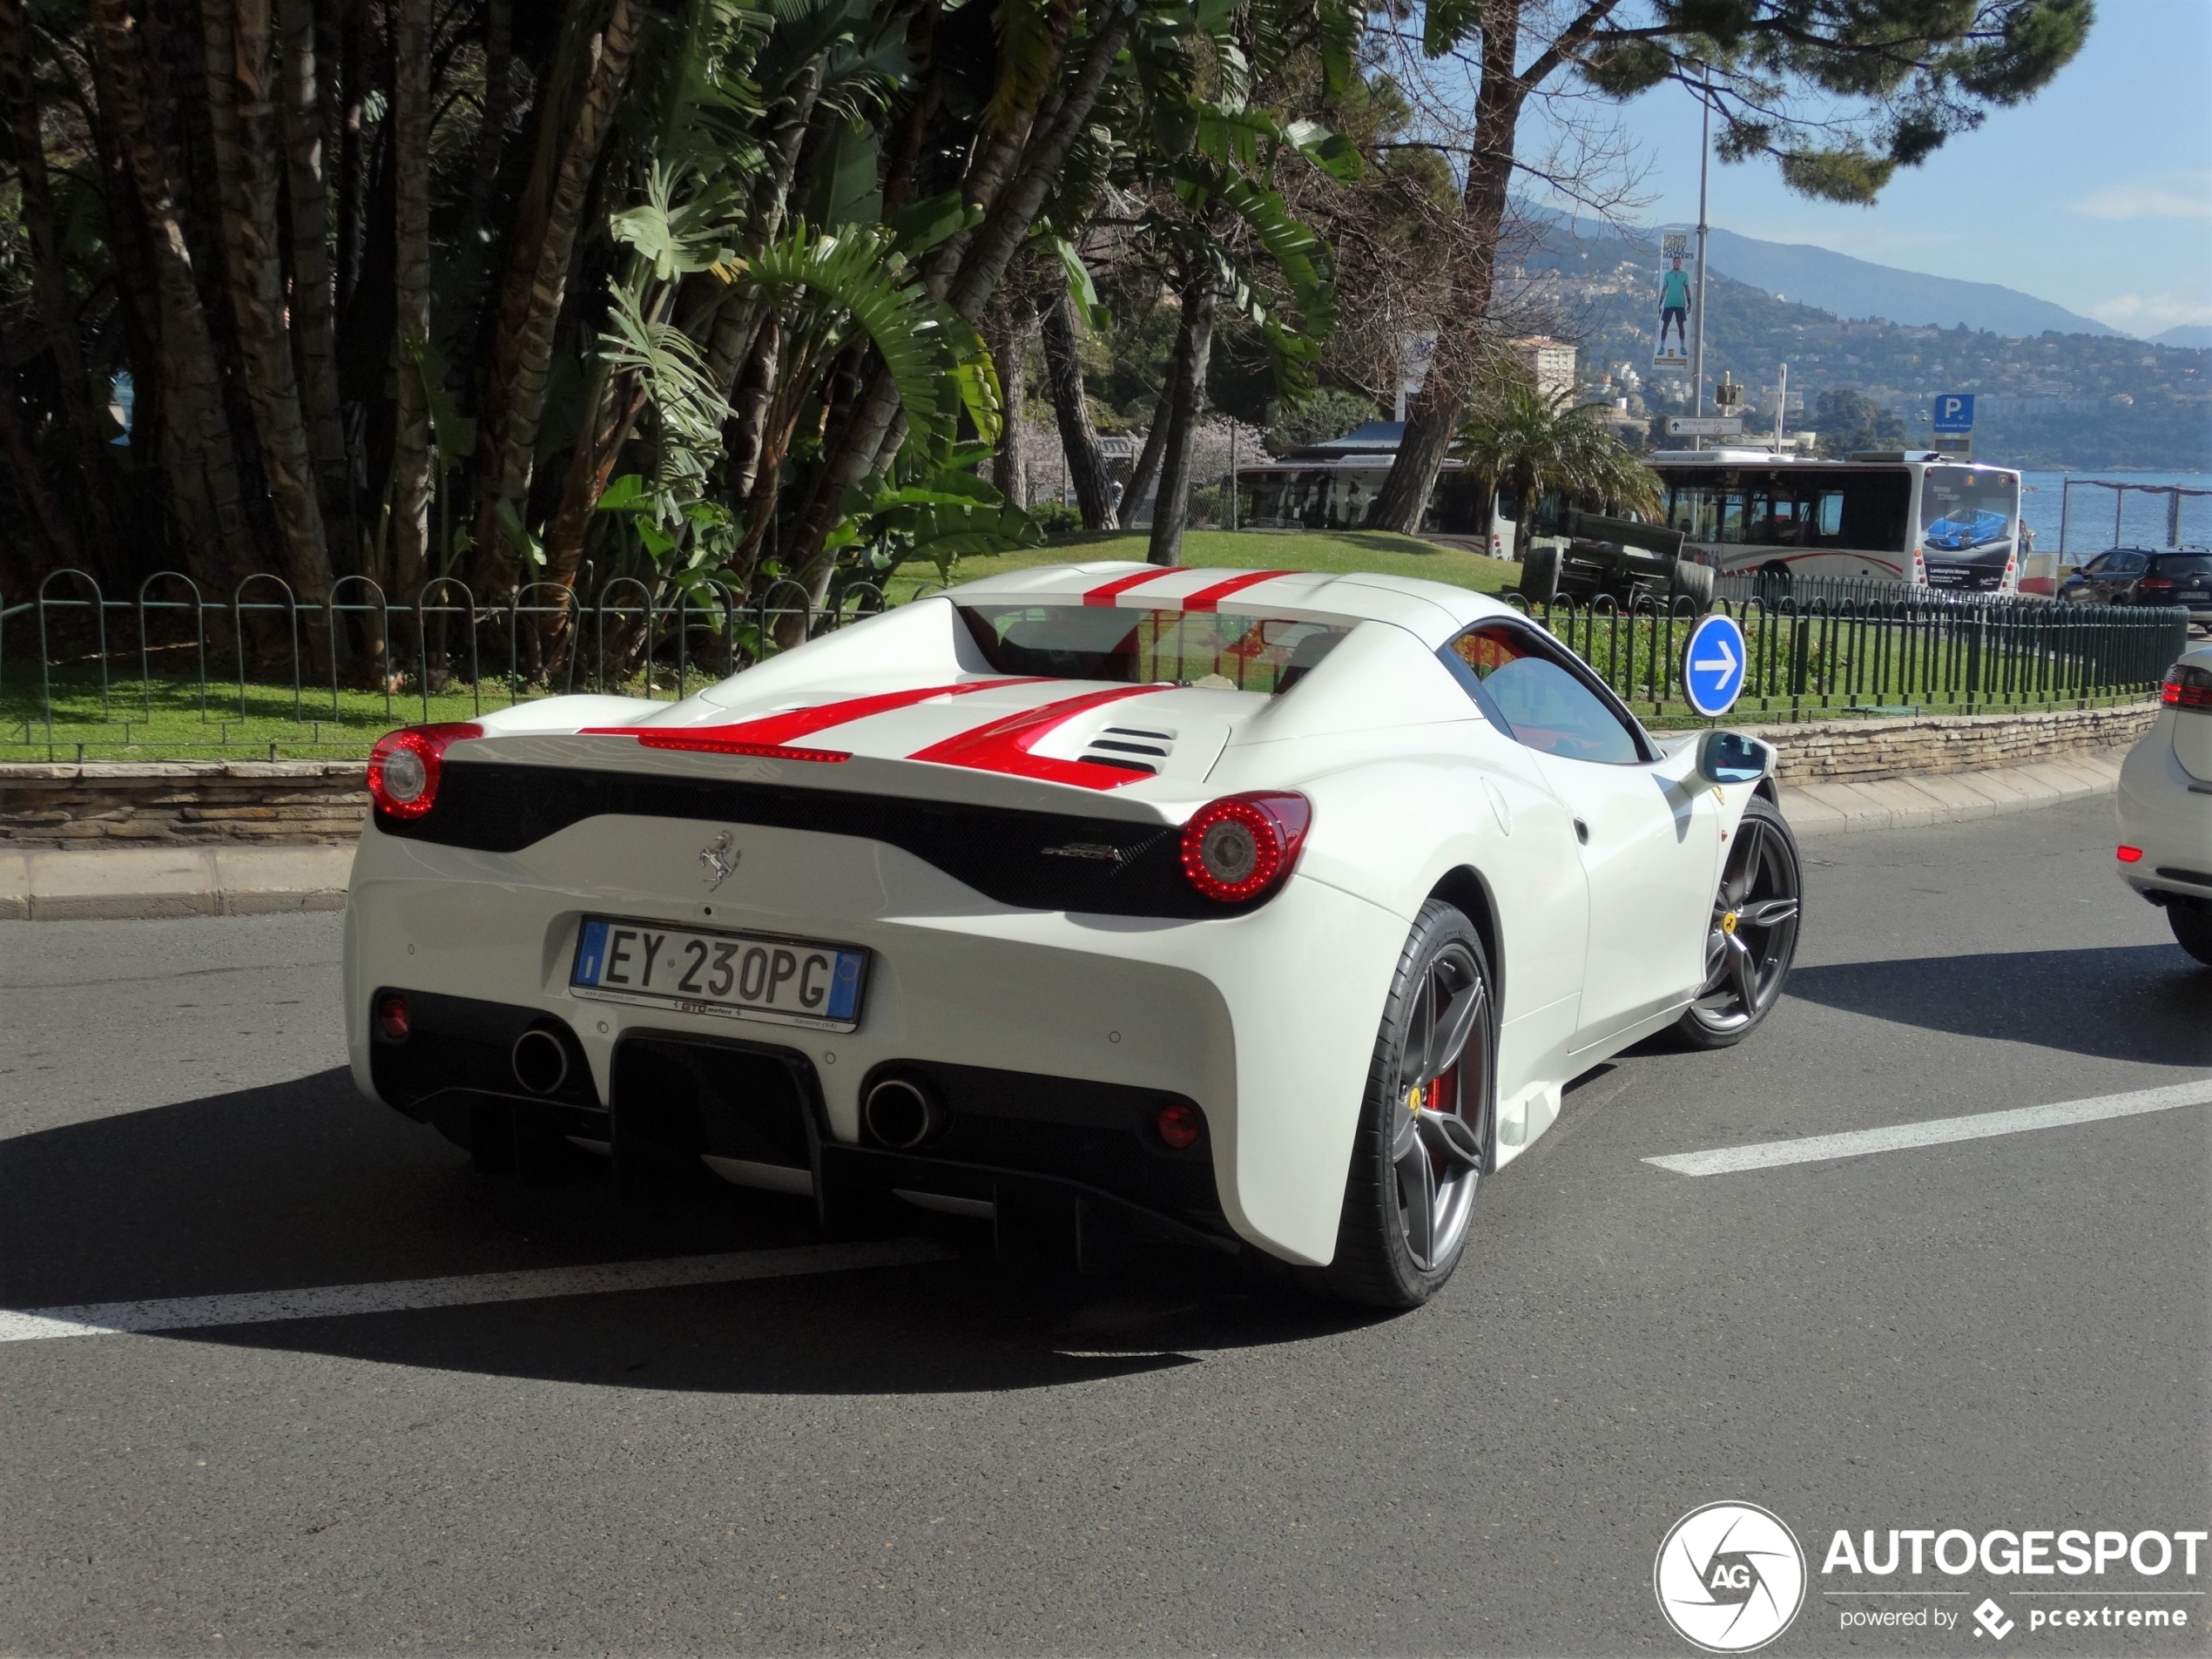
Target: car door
x=1647, y=831
x=2122, y=574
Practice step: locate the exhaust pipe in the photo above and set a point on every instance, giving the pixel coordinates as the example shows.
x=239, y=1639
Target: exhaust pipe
x=902, y=1112
x=540, y=1061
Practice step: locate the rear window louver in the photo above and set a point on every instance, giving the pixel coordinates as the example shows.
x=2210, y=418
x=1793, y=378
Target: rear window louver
x=1132, y=748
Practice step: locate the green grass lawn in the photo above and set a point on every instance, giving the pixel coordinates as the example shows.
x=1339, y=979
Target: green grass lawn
x=346, y=727
x=326, y=725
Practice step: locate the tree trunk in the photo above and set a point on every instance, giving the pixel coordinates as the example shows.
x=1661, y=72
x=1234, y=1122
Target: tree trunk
x=523, y=348
x=50, y=286
x=499, y=109
x=1435, y=414
x=1146, y=475
x=357, y=83
x=240, y=77
x=1078, y=437
x=876, y=423
x=1010, y=345
x=314, y=302
x=1187, y=396
x=411, y=218
x=200, y=462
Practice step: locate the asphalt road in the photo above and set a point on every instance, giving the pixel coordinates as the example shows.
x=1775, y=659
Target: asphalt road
x=2008, y=1332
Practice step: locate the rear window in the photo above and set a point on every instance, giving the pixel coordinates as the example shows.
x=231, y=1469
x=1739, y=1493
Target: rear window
x=1203, y=649
x=2182, y=564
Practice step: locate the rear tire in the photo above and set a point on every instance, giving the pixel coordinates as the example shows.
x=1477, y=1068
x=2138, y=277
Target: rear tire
x=1417, y=1157
x=1540, y=574
x=2192, y=926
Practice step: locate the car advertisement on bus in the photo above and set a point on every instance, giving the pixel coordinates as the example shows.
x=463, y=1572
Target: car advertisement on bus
x=1969, y=518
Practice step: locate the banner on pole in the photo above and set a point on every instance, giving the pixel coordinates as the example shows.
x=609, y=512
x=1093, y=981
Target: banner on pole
x=1675, y=301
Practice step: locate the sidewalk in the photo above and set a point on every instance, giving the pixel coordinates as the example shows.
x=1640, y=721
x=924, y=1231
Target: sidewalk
x=132, y=883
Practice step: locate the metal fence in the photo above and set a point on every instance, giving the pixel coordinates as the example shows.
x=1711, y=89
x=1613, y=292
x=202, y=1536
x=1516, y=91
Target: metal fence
x=177, y=661
x=359, y=655
x=1890, y=656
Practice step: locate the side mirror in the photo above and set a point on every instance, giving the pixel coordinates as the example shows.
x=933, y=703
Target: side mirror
x=1731, y=758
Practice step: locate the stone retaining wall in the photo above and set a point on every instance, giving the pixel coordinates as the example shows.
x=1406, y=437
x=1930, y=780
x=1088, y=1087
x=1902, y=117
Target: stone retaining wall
x=305, y=803
x=1861, y=750
x=280, y=803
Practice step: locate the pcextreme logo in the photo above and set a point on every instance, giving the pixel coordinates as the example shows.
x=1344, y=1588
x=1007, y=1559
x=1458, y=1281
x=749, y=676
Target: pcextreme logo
x=1729, y=1577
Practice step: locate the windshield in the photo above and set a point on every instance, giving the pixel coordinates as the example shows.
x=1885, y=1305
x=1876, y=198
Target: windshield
x=1960, y=507
x=1203, y=649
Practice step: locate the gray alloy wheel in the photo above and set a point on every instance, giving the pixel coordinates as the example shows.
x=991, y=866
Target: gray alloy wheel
x=1424, y=1137
x=1753, y=938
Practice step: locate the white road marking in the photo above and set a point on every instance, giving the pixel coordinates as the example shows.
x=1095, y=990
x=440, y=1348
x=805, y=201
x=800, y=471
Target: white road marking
x=1935, y=1132
x=469, y=1289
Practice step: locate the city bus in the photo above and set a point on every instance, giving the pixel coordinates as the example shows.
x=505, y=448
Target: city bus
x=1929, y=520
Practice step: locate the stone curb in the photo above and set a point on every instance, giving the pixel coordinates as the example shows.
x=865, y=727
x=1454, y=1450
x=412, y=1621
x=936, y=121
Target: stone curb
x=129, y=884
x=124, y=884
x=1916, y=801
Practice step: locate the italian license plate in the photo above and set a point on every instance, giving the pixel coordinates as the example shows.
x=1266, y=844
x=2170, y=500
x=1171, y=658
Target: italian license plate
x=747, y=976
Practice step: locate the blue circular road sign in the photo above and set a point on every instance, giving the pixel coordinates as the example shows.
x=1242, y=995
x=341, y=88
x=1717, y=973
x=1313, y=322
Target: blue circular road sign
x=1713, y=664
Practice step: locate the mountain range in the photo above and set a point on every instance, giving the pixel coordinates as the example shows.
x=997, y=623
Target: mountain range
x=1853, y=287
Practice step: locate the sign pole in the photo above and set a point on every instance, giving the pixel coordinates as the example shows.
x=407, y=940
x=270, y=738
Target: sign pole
x=1697, y=323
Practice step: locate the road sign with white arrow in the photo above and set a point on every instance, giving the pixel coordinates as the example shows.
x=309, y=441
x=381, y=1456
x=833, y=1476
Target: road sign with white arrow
x=1713, y=664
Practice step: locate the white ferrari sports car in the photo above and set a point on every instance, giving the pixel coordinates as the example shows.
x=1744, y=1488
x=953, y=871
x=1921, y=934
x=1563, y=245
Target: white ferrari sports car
x=1109, y=903
x=2166, y=805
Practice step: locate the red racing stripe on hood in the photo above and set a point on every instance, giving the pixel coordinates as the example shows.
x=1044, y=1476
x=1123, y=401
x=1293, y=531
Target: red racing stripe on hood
x=776, y=730
x=1207, y=598
x=1107, y=592
x=1004, y=745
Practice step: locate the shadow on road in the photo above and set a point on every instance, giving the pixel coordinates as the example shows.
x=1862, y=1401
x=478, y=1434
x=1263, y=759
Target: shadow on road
x=305, y=1184
x=2146, y=1003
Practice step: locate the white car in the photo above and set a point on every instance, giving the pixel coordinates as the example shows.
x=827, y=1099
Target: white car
x=2166, y=805
x=1108, y=901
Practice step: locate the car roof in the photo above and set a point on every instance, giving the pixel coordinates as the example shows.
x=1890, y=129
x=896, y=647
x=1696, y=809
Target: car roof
x=1434, y=610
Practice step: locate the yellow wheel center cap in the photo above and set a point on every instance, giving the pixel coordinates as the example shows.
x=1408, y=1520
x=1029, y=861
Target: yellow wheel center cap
x=1728, y=922
x=1413, y=1100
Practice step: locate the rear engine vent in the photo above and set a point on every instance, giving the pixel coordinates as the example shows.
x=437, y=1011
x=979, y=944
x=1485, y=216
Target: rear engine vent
x=1130, y=747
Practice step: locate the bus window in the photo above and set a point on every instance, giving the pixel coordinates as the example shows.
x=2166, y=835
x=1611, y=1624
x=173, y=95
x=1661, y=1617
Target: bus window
x=1827, y=514
x=1876, y=506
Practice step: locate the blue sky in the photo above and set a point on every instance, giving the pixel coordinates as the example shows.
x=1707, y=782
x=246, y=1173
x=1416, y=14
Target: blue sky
x=2098, y=195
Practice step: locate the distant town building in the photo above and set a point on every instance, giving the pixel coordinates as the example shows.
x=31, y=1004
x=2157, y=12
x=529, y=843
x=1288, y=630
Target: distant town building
x=1550, y=361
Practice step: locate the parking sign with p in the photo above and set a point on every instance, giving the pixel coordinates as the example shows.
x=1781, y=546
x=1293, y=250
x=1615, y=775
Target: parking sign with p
x=1954, y=413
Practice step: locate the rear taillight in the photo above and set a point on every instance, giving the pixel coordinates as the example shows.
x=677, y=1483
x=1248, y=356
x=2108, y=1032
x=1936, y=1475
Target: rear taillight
x=2157, y=585
x=2187, y=687
x=403, y=768
x=393, y=1021
x=2129, y=854
x=1179, y=1126
x=1242, y=845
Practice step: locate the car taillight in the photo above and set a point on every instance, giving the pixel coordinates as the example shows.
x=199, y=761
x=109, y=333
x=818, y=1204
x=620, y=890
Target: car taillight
x=2157, y=585
x=1242, y=845
x=2187, y=687
x=1180, y=1126
x=2129, y=854
x=393, y=1021
x=403, y=768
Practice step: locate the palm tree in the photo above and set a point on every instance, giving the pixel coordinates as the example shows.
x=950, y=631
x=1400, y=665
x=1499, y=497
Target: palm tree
x=1530, y=442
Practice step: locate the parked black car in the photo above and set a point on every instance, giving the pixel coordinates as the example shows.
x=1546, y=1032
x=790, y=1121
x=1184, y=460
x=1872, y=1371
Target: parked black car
x=2146, y=576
